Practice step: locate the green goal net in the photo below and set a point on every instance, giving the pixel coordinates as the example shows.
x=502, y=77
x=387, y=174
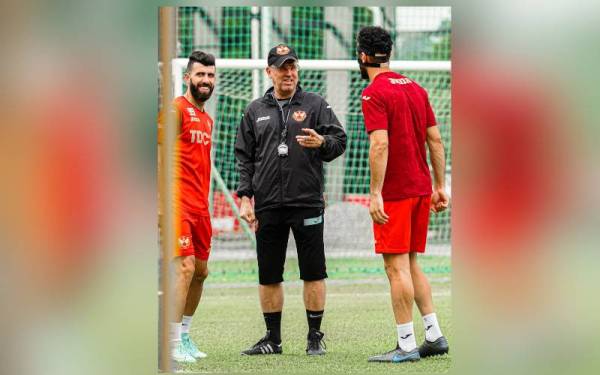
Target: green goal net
x=421, y=35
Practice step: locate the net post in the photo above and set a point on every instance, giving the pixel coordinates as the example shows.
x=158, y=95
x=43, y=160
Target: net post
x=265, y=19
x=167, y=47
x=255, y=41
x=377, y=16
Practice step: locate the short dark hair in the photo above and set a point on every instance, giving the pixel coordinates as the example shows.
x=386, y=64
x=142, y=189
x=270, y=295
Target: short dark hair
x=374, y=40
x=203, y=58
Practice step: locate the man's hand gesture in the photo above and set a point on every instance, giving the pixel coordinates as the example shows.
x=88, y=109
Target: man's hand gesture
x=311, y=140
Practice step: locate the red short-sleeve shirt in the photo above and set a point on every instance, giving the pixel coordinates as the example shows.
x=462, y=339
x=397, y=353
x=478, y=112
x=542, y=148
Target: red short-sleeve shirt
x=193, y=156
x=399, y=105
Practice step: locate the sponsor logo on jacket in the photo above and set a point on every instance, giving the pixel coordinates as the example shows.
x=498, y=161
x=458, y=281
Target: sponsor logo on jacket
x=264, y=118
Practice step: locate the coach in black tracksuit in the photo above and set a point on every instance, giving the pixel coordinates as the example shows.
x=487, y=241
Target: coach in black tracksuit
x=282, y=142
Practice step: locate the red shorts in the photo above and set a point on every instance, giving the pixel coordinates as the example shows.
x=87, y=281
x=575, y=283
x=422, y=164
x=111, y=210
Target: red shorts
x=406, y=229
x=194, y=236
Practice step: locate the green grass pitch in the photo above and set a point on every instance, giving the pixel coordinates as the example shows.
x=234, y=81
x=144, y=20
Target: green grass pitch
x=358, y=319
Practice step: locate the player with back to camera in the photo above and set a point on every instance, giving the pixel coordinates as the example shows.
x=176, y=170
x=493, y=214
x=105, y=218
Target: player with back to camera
x=400, y=121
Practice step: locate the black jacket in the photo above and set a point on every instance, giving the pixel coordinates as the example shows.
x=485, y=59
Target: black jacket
x=295, y=180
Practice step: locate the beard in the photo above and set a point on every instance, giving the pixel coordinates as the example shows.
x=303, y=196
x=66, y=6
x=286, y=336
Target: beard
x=363, y=70
x=200, y=96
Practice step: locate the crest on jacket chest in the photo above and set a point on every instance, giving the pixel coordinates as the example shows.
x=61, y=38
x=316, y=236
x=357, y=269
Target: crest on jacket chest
x=299, y=116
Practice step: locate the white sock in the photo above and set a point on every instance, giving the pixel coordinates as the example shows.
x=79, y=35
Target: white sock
x=186, y=324
x=432, y=327
x=175, y=334
x=406, y=336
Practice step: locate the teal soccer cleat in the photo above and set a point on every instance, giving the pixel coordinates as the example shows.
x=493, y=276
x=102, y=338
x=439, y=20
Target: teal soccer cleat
x=191, y=347
x=181, y=355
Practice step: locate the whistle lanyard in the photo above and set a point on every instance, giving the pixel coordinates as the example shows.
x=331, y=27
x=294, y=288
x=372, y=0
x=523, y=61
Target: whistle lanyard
x=284, y=117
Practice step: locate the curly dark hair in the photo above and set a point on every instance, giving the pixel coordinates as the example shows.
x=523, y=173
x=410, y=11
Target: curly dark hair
x=374, y=40
x=203, y=58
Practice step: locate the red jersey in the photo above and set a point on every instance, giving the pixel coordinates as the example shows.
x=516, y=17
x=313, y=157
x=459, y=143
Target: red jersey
x=400, y=106
x=193, y=156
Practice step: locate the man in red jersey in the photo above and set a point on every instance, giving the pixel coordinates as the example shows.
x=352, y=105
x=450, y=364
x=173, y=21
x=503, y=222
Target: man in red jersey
x=400, y=121
x=192, y=186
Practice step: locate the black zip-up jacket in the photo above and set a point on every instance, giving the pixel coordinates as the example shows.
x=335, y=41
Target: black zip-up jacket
x=295, y=180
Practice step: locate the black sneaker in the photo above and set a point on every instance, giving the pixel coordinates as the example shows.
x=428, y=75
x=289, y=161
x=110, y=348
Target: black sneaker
x=315, y=345
x=264, y=346
x=438, y=347
x=397, y=356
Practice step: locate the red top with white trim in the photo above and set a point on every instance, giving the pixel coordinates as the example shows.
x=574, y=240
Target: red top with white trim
x=399, y=105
